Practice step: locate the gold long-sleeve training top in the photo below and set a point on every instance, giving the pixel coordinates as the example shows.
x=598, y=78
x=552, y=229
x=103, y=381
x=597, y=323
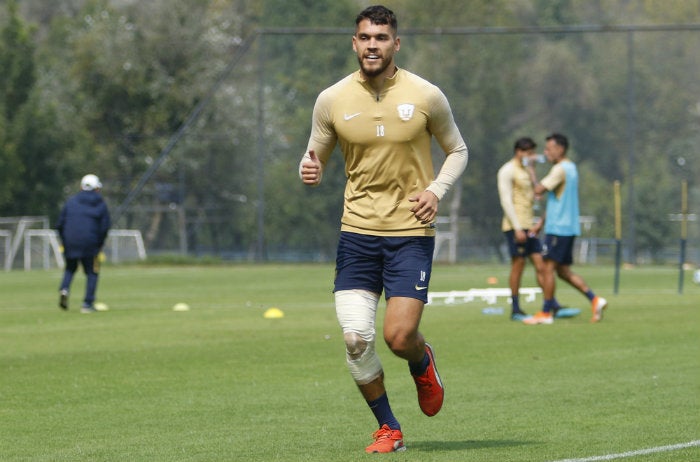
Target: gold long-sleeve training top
x=385, y=139
x=517, y=196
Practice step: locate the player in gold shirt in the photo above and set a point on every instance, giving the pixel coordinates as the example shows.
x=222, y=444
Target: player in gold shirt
x=517, y=197
x=383, y=119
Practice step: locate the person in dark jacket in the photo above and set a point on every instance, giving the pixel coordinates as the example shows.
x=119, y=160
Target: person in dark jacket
x=82, y=227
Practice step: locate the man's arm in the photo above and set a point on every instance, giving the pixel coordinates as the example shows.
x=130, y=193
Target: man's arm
x=105, y=224
x=446, y=133
x=505, y=195
x=321, y=142
x=310, y=169
x=443, y=127
x=537, y=187
x=554, y=178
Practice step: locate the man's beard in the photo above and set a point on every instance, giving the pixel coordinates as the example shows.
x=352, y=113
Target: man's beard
x=373, y=72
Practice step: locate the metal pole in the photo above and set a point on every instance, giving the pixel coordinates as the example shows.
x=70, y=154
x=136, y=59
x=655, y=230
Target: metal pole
x=260, y=246
x=181, y=211
x=631, y=135
x=618, y=234
x=684, y=232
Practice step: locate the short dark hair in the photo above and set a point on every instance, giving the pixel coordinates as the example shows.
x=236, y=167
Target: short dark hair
x=378, y=14
x=560, y=139
x=524, y=144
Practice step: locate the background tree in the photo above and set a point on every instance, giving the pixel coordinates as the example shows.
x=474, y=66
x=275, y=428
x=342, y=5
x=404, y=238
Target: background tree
x=104, y=85
x=16, y=80
x=297, y=68
x=32, y=144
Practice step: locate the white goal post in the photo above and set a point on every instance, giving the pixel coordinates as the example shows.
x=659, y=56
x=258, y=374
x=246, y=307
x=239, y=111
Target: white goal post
x=125, y=244
x=6, y=236
x=49, y=241
x=121, y=245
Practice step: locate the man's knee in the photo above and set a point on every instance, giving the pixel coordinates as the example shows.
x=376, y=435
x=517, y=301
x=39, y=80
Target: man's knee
x=355, y=345
x=564, y=272
x=400, y=343
x=356, y=310
x=362, y=358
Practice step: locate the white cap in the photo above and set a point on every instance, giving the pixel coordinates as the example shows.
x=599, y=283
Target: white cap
x=90, y=182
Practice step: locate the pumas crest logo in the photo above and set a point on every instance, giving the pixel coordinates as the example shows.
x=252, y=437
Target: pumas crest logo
x=405, y=111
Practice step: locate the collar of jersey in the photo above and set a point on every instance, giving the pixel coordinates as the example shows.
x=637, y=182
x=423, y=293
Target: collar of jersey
x=388, y=83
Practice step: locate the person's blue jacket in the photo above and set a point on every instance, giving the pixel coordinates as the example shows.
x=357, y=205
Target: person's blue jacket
x=83, y=225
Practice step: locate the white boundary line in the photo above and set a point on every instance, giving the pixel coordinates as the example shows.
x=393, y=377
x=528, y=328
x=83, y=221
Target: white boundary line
x=639, y=452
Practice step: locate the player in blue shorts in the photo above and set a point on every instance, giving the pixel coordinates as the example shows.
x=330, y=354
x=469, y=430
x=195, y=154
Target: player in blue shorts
x=561, y=228
x=517, y=197
x=384, y=118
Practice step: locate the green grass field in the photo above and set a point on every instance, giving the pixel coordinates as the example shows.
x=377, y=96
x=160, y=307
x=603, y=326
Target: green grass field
x=220, y=382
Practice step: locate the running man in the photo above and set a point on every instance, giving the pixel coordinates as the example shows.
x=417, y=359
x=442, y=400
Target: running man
x=383, y=118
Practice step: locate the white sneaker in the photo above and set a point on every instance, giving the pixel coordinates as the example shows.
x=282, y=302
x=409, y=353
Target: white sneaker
x=598, y=305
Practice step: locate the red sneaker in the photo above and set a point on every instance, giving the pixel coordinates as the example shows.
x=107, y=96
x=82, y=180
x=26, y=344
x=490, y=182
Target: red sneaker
x=431, y=392
x=386, y=440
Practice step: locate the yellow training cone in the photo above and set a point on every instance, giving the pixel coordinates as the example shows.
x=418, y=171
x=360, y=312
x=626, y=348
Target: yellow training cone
x=273, y=313
x=181, y=307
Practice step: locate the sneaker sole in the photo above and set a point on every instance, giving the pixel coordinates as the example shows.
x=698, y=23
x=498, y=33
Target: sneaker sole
x=567, y=313
x=399, y=449
x=532, y=322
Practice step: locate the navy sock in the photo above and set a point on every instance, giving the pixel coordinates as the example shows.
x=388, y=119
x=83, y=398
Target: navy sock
x=590, y=295
x=420, y=367
x=516, y=303
x=382, y=411
x=550, y=305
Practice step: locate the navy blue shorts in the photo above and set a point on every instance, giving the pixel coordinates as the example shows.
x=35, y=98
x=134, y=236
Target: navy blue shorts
x=400, y=266
x=559, y=248
x=522, y=249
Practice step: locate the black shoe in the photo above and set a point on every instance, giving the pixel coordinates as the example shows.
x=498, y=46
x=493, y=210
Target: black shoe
x=63, y=299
